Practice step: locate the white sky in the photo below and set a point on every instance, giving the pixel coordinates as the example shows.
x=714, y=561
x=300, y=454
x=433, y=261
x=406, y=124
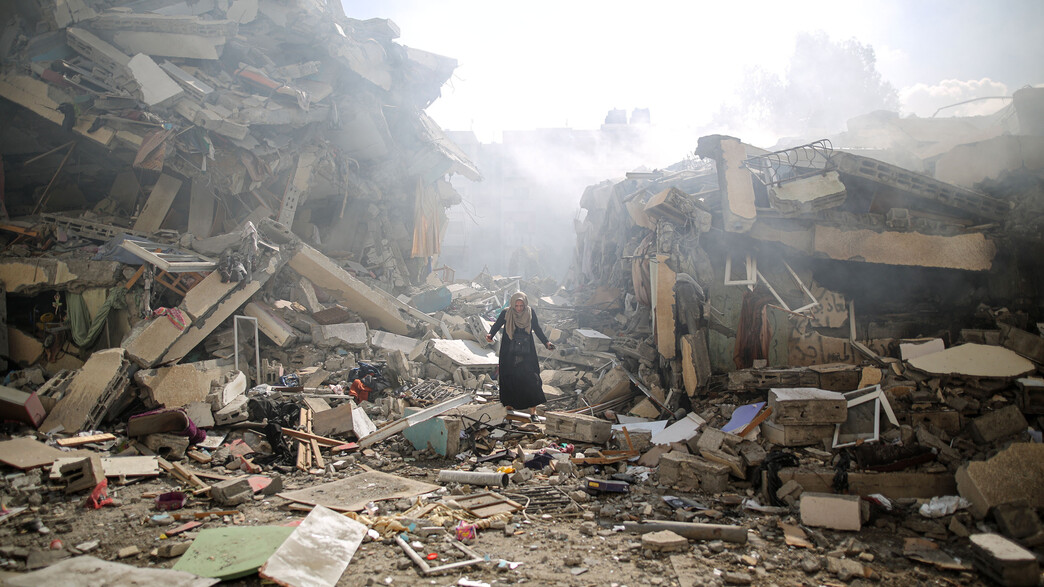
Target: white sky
x=541, y=64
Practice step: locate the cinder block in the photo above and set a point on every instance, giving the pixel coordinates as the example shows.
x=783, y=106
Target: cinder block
x=837, y=512
x=232, y=491
x=236, y=411
x=690, y=472
x=997, y=424
x=85, y=473
x=578, y=427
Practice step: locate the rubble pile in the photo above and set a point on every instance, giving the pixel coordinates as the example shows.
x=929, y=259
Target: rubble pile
x=227, y=340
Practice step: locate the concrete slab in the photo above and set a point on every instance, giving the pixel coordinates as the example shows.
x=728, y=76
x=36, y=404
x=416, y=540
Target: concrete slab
x=392, y=342
x=90, y=392
x=371, y=304
x=974, y=360
x=157, y=89
x=1014, y=475
x=174, y=387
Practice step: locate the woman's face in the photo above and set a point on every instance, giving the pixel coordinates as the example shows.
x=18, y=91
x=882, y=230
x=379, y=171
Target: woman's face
x=519, y=305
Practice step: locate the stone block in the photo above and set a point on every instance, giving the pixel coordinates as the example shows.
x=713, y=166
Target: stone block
x=997, y=424
x=578, y=427
x=201, y=414
x=232, y=491
x=390, y=341
x=19, y=406
x=837, y=512
x=1019, y=522
x=690, y=472
x=807, y=406
x=664, y=541
x=559, y=379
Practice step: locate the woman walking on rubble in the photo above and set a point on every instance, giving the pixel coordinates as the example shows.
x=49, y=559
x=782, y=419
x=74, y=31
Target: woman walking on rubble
x=520, y=386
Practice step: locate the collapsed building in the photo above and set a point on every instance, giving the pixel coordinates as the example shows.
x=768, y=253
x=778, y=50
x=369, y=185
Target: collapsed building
x=221, y=292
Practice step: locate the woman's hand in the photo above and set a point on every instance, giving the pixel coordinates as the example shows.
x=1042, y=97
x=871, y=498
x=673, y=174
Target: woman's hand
x=550, y=345
x=489, y=338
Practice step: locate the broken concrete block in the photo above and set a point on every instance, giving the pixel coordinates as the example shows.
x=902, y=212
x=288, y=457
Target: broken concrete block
x=590, y=340
x=235, y=411
x=173, y=387
x=167, y=446
x=232, y=491
x=271, y=325
x=158, y=90
x=837, y=512
x=735, y=464
x=1004, y=561
x=1014, y=475
x=789, y=492
x=201, y=414
x=690, y=472
x=451, y=354
x=807, y=406
x=224, y=392
x=83, y=474
x=559, y=379
x=389, y=341
x=352, y=335
x=578, y=427
x=614, y=384
x=997, y=424
x=664, y=541
x=90, y=392
x=1019, y=522
x=793, y=435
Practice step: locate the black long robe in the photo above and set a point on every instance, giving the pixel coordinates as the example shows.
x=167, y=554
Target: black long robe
x=520, y=385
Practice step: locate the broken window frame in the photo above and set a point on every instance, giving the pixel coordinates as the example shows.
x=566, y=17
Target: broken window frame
x=257, y=345
x=752, y=271
x=801, y=284
x=200, y=263
x=875, y=394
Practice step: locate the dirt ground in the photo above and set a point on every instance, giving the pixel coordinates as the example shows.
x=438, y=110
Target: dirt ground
x=579, y=548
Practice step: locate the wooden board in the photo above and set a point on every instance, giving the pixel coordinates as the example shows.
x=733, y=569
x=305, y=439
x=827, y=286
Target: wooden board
x=664, y=282
x=158, y=204
x=117, y=466
x=82, y=440
x=352, y=494
x=26, y=453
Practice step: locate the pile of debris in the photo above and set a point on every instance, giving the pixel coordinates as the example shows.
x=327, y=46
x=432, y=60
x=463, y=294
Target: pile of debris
x=230, y=335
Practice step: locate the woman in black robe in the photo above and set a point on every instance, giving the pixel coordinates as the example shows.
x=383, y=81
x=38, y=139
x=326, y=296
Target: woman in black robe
x=520, y=386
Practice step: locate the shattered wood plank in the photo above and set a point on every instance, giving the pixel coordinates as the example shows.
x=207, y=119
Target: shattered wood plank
x=158, y=204
x=664, y=310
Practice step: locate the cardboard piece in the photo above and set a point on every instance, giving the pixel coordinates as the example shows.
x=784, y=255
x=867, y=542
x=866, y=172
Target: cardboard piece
x=353, y=493
x=232, y=552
